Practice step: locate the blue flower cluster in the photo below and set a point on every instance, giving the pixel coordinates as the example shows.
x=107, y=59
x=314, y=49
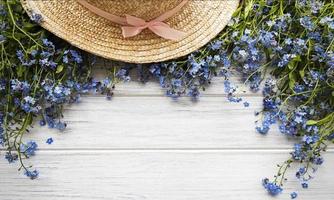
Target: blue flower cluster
x=247, y=56
x=230, y=90
x=36, y=80
x=298, y=52
x=191, y=76
x=28, y=149
x=32, y=174
x=272, y=188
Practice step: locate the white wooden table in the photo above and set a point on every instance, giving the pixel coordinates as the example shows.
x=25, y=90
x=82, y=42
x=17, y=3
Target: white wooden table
x=143, y=145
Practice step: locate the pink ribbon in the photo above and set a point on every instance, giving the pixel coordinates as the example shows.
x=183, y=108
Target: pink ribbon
x=132, y=26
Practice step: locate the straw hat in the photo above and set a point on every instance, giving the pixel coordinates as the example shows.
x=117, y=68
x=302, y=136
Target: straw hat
x=187, y=25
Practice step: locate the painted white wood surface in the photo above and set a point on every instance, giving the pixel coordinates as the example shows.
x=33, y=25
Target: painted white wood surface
x=143, y=145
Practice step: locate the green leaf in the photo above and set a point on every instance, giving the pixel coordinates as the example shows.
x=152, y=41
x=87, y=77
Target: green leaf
x=294, y=62
x=248, y=8
x=302, y=73
x=28, y=25
x=311, y=122
x=59, y=69
x=19, y=35
x=292, y=80
x=20, y=71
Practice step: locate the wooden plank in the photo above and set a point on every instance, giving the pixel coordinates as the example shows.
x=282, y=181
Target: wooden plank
x=157, y=175
x=160, y=123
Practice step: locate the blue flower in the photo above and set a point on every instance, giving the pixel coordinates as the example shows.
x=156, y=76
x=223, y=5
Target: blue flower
x=15, y=85
x=316, y=6
x=195, y=68
x=299, y=88
x=123, y=74
x=269, y=86
x=305, y=185
x=194, y=92
x=28, y=105
x=306, y=23
x=314, y=36
x=288, y=41
x=310, y=139
x=162, y=81
x=301, y=172
x=76, y=56
x=42, y=122
x=272, y=188
x=29, y=148
x=37, y=18
x=230, y=90
x=2, y=38
x=2, y=137
x=298, y=153
x=268, y=39
x=318, y=160
x=31, y=174
x=47, y=54
x=33, y=53
x=48, y=43
x=285, y=60
x=3, y=12
x=24, y=61
x=56, y=94
x=216, y=45
x=25, y=86
x=225, y=60
x=155, y=70
x=3, y=84
x=246, y=104
x=49, y=141
x=72, y=55
x=65, y=59
x=48, y=63
x=293, y=195
x=270, y=104
x=216, y=58
x=327, y=21
x=262, y=129
x=299, y=119
x=176, y=82
x=299, y=46
x=11, y=157
x=316, y=75
x=60, y=126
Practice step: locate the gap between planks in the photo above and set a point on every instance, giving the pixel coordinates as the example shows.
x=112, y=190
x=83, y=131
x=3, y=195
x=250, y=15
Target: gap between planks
x=195, y=150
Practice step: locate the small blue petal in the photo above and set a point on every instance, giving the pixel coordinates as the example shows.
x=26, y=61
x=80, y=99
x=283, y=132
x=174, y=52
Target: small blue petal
x=49, y=141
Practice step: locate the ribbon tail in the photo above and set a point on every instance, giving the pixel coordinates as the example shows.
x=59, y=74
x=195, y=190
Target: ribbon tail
x=130, y=31
x=167, y=32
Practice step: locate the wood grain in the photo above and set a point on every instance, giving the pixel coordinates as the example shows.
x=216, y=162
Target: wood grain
x=152, y=175
x=159, y=122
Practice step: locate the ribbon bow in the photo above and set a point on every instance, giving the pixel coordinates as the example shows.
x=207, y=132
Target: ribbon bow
x=132, y=26
x=159, y=28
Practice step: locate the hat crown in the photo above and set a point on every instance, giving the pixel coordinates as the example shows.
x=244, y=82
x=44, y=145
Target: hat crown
x=145, y=9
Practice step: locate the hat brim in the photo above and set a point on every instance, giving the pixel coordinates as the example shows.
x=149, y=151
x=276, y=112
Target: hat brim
x=201, y=20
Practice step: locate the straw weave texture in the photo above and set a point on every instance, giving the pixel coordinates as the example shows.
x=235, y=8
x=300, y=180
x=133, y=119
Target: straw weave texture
x=202, y=20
